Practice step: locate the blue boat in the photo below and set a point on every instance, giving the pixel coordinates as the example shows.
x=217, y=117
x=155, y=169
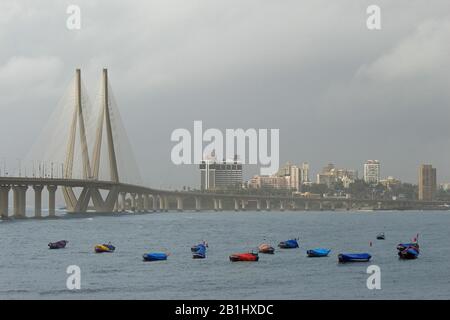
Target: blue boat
x=354, y=257
x=409, y=253
x=319, y=252
x=155, y=256
x=404, y=246
x=289, y=244
x=200, y=252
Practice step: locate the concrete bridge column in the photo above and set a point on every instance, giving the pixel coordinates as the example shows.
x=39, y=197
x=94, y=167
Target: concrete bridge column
x=281, y=205
x=320, y=206
x=133, y=202
x=140, y=203
x=51, y=200
x=179, y=204
x=198, y=204
x=16, y=201
x=161, y=203
x=333, y=206
x=166, y=203
x=154, y=203
x=216, y=205
x=380, y=206
x=236, y=205
x=19, y=201
x=23, y=201
x=268, y=205
x=38, y=201
x=123, y=202
x=146, y=203
x=306, y=205
x=4, y=195
x=244, y=204
x=258, y=205
x=220, y=205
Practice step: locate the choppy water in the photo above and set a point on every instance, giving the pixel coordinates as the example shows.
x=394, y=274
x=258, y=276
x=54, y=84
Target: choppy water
x=29, y=270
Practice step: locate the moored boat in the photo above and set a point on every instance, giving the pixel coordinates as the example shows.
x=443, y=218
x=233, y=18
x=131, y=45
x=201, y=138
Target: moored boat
x=248, y=256
x=403, y=246
x=288, y=244
x=267, y=249
x=200, y=252
x=155, y=256
x=100, y=248
x=58, y=244
x=319, y=252
x=354, y=257
x=409, y=253
x=381, y=236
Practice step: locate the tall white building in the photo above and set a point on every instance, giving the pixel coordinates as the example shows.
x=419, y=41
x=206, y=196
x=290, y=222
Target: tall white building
x=304, y=173
x=372, y=171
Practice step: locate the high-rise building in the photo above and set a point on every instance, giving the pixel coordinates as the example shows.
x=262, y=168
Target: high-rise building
x=427, y=182
x=304, y=173
x=372, y=171
x=220, y=175
x=330, y=175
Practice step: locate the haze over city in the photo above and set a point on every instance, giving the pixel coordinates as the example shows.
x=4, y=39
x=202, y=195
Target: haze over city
x=337, y=91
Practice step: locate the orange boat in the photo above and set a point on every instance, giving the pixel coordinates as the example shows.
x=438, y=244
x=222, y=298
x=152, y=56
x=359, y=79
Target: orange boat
x=265, y=248
x=248, y=256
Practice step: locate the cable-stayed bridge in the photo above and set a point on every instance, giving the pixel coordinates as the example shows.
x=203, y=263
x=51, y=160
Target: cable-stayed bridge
x=92, y=164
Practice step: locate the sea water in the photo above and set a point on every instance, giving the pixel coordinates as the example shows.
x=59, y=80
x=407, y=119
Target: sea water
x=29, y=270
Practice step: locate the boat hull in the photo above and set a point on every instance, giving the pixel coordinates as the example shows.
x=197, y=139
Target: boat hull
x=154, y=257
x=317, y=253
x=58, y=245
x=244, y=257
x=354, y=257
x=104, y=248
x=289, y=244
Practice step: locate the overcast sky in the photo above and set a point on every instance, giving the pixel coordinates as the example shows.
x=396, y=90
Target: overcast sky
x=337, y=91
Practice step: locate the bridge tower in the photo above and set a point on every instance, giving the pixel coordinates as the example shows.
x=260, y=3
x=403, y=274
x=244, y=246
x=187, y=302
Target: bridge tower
x=87, y=194
x=77, y=121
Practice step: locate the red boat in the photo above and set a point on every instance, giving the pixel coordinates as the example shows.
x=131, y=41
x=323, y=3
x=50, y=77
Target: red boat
x=248, y=256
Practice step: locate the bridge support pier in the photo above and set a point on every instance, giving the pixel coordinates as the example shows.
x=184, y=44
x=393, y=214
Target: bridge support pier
x=216, y=204
x=320, y=206
x=166, y=204
x=198, y=204
x=4, y=197
x=380, y=206
x=154, y=203
x=140, y=203
x=333, y=206
x=268, y=205
x=133, y=202
x=38, y=201
x=306, y=205
x=19, y=201
x=146, y=203
x=236, y=205
x=281, y=205
x=180, y=204
x=123, y=201
x=220, y=205
x=244, y=205
x=258, y=205
x=51, y=200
